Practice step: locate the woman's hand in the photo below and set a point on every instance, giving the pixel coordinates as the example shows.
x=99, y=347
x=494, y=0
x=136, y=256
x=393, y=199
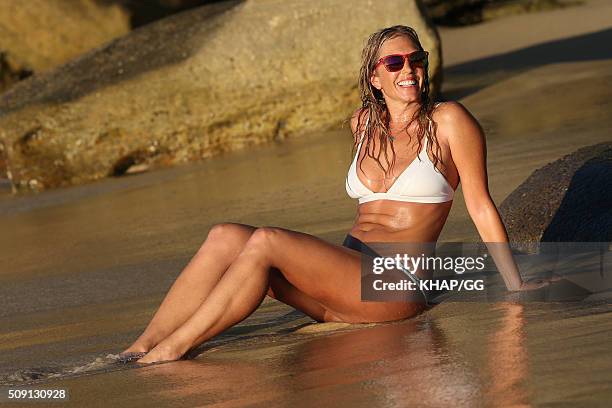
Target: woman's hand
x=537, y=283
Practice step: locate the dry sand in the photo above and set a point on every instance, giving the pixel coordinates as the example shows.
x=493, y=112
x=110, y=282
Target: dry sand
x=84, y=268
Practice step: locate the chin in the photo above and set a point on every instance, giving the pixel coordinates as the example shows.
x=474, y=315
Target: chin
x=411, y=99
x=412, y=94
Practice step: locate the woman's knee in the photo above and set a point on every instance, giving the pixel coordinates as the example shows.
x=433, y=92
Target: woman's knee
x=264, y=236
x=227, y=237
x=262, y=242
x=228, y=230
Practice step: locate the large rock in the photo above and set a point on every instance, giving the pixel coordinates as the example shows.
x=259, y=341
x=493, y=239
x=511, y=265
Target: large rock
x=37, y=35
x=208, y=80
x=569, y=200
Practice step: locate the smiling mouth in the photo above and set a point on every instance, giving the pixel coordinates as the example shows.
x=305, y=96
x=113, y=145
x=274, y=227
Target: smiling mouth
x=408, y=83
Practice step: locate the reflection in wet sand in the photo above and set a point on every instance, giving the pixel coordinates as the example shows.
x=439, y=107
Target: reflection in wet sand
x=507, y=359
x=403, y=363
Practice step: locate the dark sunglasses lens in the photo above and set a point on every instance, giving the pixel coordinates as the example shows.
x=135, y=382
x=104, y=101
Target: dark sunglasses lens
x=394, y=62
x=418, y=57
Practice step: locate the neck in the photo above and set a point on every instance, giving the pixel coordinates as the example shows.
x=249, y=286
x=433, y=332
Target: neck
x=402, y=113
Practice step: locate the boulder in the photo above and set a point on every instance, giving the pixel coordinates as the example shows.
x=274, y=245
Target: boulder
x=569, y=200
x=37, y=35
x=208, y=80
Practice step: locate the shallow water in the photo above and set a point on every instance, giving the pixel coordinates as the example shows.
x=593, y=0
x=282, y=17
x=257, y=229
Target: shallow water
x=84, y=268
x=468, y=354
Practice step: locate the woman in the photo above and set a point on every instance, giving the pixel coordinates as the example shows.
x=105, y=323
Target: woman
x=432, y=146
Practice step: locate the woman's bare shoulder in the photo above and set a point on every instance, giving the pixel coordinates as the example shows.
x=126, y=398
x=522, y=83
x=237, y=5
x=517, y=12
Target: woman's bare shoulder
x=452, y=119
x=452, y=112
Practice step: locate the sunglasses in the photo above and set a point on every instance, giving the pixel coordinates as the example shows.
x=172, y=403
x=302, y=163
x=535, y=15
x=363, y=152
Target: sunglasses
x=395, y=62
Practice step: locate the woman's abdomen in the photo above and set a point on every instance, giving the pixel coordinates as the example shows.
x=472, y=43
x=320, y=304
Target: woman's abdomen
x=396, y=221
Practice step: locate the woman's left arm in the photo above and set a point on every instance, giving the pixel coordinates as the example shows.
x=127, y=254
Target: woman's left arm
x=468, y=150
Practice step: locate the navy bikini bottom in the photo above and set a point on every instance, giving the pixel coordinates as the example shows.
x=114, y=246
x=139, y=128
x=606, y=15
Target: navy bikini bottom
x=358, y=245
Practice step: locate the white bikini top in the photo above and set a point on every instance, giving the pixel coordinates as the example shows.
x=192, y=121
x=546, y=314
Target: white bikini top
x=420, y=182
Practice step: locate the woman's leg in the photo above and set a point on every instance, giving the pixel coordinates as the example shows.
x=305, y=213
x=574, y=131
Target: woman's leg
x=222, y=245
x=326, y=273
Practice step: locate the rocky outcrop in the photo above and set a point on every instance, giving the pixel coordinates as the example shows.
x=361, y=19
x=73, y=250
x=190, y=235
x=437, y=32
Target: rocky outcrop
x=194, y=84
x=37, y=35
x=569, y=200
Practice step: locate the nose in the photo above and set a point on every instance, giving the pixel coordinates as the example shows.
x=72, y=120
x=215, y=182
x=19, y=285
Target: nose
x=407, y=65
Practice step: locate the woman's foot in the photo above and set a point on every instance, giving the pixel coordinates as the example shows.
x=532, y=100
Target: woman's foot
x=134, y=352
x=129, y=356
x=133, y=349
x=140, y=346
x=167, y=350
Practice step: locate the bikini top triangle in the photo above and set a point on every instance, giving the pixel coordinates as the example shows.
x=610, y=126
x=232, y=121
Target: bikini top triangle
x=420, y=182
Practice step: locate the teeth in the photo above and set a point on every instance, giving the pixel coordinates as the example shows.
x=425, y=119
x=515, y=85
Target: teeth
x=407, y=83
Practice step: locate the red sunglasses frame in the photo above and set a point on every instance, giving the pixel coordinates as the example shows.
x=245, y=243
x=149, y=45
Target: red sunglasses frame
x=405, y=57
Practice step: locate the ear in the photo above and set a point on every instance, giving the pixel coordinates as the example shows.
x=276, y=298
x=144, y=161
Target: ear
x=375, y=81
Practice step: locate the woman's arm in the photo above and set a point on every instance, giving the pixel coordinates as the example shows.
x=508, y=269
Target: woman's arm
x=468, y=150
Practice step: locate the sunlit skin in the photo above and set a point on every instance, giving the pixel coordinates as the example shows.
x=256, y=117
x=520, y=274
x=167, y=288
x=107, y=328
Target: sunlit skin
x=238, y=265
x=396, y=221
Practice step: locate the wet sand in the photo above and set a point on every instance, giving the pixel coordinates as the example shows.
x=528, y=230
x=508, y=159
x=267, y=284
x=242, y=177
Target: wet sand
x=84, y=268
